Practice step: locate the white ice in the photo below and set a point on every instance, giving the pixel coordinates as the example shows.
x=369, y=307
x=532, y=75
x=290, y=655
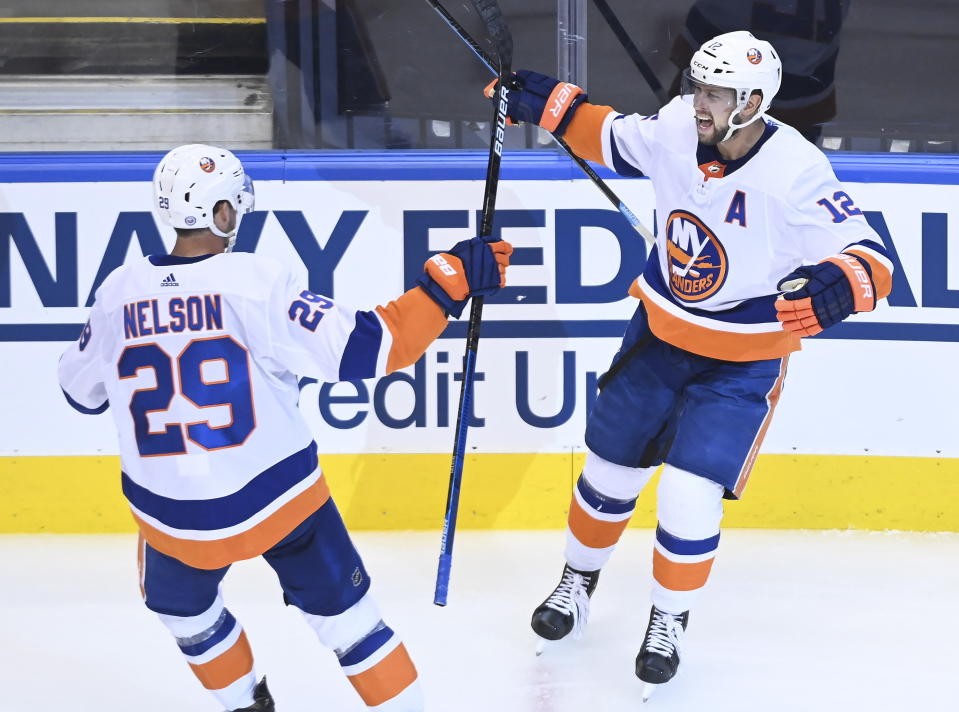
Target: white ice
x=824, y=621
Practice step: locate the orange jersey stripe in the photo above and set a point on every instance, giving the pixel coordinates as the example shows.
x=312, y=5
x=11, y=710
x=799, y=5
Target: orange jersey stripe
x=227, y=668
x=585, y=131
x=218, y=553
x=881, y=276
x=715, y=343
x=415, y=321
x=386, y=679
x=680, y=577
x=594, y=533
x=141, y=563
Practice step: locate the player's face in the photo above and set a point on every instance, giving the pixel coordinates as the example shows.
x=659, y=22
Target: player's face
x=713, y=106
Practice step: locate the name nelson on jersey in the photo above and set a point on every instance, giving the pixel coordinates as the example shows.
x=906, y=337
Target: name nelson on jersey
x=160, y=316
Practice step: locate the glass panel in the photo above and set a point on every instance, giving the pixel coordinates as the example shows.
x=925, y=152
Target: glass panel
x=861, y=75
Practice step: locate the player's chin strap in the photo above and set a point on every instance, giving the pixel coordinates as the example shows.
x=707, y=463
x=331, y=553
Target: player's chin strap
x=733, y=127
x=230, y=237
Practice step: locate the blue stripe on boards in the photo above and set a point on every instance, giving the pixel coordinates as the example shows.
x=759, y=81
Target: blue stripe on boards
x=222, y=512
x=916, y=168
x=362, y=348
x=366, y=647
x=602, y=503
x=686, y=547
x=556, y=329
x=566, y=329
x=226, y=626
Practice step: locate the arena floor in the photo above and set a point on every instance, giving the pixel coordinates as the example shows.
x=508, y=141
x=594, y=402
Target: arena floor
x=790, y=621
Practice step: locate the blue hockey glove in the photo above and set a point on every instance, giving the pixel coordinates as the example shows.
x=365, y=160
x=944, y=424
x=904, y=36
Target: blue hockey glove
x=835, y=288
x=471, y=268
x=540, y=99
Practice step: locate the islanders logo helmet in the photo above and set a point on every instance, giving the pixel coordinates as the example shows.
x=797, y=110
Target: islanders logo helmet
x=739, y=61
x=695, y=258
x=190, y=180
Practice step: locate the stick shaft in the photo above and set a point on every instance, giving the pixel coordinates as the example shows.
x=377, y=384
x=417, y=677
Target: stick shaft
x=493, y=67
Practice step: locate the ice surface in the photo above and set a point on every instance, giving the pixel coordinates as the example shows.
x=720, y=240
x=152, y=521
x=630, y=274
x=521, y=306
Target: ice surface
x=790, y=621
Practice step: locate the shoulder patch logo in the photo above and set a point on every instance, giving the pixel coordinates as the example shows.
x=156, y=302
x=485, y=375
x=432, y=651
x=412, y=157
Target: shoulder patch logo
x=695, y=256
x=169, y=281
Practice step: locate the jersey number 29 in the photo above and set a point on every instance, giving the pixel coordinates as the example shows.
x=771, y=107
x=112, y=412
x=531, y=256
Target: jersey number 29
x=233, y=391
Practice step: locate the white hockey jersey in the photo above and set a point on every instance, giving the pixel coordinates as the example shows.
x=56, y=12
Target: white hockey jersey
x=727, y=231
x=200, y=359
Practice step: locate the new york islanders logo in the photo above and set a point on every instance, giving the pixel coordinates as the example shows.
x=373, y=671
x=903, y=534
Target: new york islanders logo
x=754, y=55
x=207, y=165
x=696, y=258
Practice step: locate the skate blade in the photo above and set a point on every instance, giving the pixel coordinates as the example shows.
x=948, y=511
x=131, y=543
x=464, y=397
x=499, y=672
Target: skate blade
x=648, y=690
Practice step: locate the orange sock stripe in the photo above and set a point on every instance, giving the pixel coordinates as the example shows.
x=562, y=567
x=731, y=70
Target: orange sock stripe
x=386, y=679
x=414, y=321
x=594, y=533
x=585, y=131
x=254, y=541
x=227, y=668
x=680, y=577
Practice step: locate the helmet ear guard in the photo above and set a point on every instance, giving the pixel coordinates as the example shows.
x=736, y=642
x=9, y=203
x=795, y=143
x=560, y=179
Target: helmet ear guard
x=191, y=180
x=739, y=61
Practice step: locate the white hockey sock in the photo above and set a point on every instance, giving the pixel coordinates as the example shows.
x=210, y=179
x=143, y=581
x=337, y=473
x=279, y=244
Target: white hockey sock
x=687, y=538
x=216, y=649
x=602, y=504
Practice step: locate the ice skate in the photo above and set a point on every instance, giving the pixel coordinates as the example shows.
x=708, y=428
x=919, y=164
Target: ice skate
x=658, y=659
x=566, y=610
x=262, y=699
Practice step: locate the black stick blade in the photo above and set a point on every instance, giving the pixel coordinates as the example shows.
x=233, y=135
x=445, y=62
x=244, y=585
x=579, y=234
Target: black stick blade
x=489, y=11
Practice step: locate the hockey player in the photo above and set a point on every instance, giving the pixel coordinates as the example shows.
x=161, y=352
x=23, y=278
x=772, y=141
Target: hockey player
x=200, y=352
x=746, y=210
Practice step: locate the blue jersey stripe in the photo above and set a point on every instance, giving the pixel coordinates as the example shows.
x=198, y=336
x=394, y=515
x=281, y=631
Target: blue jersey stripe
x=226, y=627
x=222, y=512
x=620, y=165
x=82, y=408
x=366, y=647
x=359, y=356
x=758, y=310
x=602, y=503
x=686, y=547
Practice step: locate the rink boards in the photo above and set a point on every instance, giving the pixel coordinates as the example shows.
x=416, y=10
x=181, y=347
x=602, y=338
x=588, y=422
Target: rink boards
x=864, y=435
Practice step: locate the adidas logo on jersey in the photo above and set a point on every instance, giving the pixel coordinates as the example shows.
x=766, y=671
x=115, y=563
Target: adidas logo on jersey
x=169, y=281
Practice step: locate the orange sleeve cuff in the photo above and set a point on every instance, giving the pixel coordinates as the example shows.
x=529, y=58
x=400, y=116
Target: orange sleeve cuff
x=881, y=276
x=585, y=132
x=414, y=321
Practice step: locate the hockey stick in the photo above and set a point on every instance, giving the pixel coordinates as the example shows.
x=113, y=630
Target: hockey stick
x=493, y=66
x=632, y=50
x=490, y=13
